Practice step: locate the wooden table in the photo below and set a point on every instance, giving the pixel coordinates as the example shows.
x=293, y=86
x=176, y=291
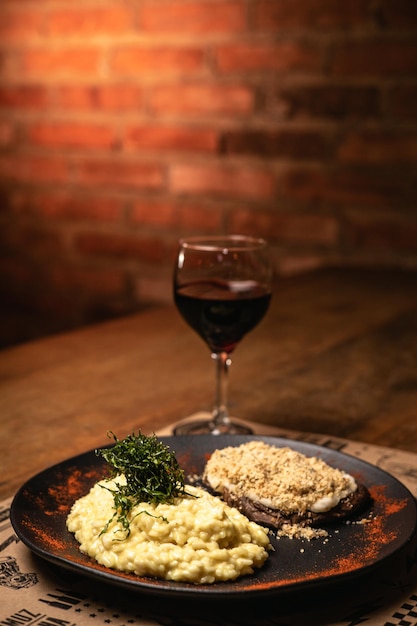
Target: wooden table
x=336, y=354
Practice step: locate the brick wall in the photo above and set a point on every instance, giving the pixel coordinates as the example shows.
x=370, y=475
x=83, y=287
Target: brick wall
x=126, y=124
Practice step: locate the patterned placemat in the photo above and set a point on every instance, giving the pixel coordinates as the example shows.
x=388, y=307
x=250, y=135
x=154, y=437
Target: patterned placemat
x=35, y=592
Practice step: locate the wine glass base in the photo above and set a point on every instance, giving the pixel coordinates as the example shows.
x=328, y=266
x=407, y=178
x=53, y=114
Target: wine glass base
x=207, y=427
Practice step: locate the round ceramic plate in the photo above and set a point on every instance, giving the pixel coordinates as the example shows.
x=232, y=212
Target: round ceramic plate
x=40, y=508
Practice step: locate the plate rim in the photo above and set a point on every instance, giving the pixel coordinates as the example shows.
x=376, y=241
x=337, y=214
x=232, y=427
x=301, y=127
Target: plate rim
x=182, y=589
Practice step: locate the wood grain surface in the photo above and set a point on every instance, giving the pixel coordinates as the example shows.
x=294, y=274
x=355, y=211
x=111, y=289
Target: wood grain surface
x=335, y=354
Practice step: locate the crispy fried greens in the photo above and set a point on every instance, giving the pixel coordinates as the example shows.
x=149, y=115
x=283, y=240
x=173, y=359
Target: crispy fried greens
x=151, y=471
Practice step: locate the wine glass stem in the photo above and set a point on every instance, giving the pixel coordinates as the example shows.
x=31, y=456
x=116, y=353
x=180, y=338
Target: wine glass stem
x=220, y=410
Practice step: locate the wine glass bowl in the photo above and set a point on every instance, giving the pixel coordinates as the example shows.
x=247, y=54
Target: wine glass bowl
x=222, y=289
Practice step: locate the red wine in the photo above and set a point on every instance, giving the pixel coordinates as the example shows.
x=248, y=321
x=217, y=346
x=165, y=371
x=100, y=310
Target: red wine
x=222, y=312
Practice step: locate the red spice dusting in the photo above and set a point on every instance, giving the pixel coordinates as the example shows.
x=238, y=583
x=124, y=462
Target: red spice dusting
x=376, y=533
x=373, y=535
x=44, y=538
x=185, y=460
x=369, y=544
x=390, y=506
x=66, y=487
x=70, y=487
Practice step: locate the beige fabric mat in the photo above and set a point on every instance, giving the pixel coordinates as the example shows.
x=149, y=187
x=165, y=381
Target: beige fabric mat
x=33, y=592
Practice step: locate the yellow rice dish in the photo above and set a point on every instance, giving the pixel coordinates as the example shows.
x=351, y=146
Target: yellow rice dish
x=197, y=538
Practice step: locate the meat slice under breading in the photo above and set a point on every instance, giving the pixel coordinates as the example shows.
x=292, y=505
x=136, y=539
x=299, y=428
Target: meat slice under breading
x=277, y=486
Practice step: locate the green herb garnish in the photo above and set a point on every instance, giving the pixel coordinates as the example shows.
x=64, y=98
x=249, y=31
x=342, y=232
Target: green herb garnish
x=151, y=470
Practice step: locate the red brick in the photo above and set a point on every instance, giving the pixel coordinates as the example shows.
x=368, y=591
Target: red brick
x=401, y=101
x=60, y=306
x=185, y=217
x=33, y=242
x=280, y=15
x=379, y=147
x=7, y=134
x=198, y=219
x=66, y=206
x=375, y=57
x=149, y=249
x=327, y=101
x=370, y=187
x=33, y=169
x=72, y=296
x=223, y=180
x=119, y=173
x=286, y=227
x=49, y=63
x=294, y=144
x=100, y=98
x=397, y=13
x=202, y=99
x=193, y=17
x=84, y=21
x=149, y=137
x=145, y=60
x=20, y=24
x=294, y=81
x=24, y=97
x=279, y=57
x=71, y=135
x=97, y=281
x=386, y=233
x=154, y=213
x=15, y=272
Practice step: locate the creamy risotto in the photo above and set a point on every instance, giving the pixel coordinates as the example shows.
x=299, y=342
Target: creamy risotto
x=196, y=539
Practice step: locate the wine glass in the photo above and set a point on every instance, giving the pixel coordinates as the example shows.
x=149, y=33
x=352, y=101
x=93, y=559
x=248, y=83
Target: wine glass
x=222, y=289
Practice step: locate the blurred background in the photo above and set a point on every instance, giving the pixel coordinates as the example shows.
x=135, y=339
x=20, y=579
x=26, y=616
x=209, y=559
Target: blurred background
x=127, y=124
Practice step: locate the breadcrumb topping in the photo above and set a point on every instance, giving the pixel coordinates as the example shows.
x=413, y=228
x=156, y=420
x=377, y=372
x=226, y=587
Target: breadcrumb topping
x=279, y=478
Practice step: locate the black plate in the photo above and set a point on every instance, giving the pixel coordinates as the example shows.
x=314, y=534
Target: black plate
x=40, y=508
